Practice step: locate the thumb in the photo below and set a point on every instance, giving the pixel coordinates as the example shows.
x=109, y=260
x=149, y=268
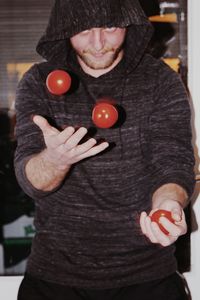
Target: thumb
x=43, y=124
x=177, y=214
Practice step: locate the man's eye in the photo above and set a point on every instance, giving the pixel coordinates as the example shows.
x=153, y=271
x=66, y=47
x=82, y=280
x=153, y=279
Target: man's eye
x=110, y=29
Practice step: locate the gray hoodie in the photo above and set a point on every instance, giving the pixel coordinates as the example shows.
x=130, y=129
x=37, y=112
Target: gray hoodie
x=87, y=229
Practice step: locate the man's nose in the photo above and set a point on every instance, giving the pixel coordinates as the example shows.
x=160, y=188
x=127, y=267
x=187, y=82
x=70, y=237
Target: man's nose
x=97, y=39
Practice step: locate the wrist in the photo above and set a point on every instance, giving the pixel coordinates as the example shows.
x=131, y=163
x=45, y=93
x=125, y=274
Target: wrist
x=169, y=193
x=166, y=204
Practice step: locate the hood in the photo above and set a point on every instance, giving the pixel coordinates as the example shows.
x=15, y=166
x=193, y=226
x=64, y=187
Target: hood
x=69, y=17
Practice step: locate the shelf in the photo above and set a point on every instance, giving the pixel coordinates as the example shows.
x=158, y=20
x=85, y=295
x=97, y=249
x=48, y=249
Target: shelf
x=165, y=18
x=174, y=63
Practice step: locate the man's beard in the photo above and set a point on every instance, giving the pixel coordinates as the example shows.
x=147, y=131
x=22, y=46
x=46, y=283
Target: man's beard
x=108, y=58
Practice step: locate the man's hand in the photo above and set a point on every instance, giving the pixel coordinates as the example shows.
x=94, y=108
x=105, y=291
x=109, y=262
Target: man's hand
x=63, y=148
x=47, y=169
x=155, y=234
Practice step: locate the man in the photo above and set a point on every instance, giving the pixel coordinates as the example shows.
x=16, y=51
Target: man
x=95, y=190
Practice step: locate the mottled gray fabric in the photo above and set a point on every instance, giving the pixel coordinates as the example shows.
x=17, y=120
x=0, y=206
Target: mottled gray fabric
x=88, y=232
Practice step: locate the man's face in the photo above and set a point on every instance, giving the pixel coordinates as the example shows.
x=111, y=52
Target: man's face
x=99, y=48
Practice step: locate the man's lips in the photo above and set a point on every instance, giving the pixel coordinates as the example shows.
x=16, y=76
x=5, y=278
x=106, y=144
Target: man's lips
x=98, y=54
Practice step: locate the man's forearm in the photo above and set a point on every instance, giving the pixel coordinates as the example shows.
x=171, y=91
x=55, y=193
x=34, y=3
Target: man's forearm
x=170, y=191
x=43, y=174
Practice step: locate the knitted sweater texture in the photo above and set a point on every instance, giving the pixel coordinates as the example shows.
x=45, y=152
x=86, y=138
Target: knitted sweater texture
x=87, y=229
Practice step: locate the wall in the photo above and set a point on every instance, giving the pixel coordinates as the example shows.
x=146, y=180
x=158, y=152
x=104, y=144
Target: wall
x=194, y=85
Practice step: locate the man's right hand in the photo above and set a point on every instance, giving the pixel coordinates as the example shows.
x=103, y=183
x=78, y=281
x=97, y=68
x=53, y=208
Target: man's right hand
x=46, y=170
x=63, y=148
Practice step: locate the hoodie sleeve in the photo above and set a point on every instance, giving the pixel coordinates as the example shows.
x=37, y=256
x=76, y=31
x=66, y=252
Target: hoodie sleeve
x=170, y=131
x=30, y=100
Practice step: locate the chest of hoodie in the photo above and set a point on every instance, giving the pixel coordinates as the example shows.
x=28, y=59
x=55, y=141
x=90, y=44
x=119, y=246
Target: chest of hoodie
x=133, y=96
x=108, y=180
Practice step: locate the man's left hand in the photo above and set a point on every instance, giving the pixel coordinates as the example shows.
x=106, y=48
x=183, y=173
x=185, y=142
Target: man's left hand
x=176, y=229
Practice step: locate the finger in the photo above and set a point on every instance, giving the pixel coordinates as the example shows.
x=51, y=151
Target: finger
x=80, y=149
x=142, y=222
x=152, y=211
x=64, y=135
x=160, y=236
x=177, y=214
x=149, y=232
x=94, y=150
x=174, y=229
x=75, y=138
x=43, y=124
